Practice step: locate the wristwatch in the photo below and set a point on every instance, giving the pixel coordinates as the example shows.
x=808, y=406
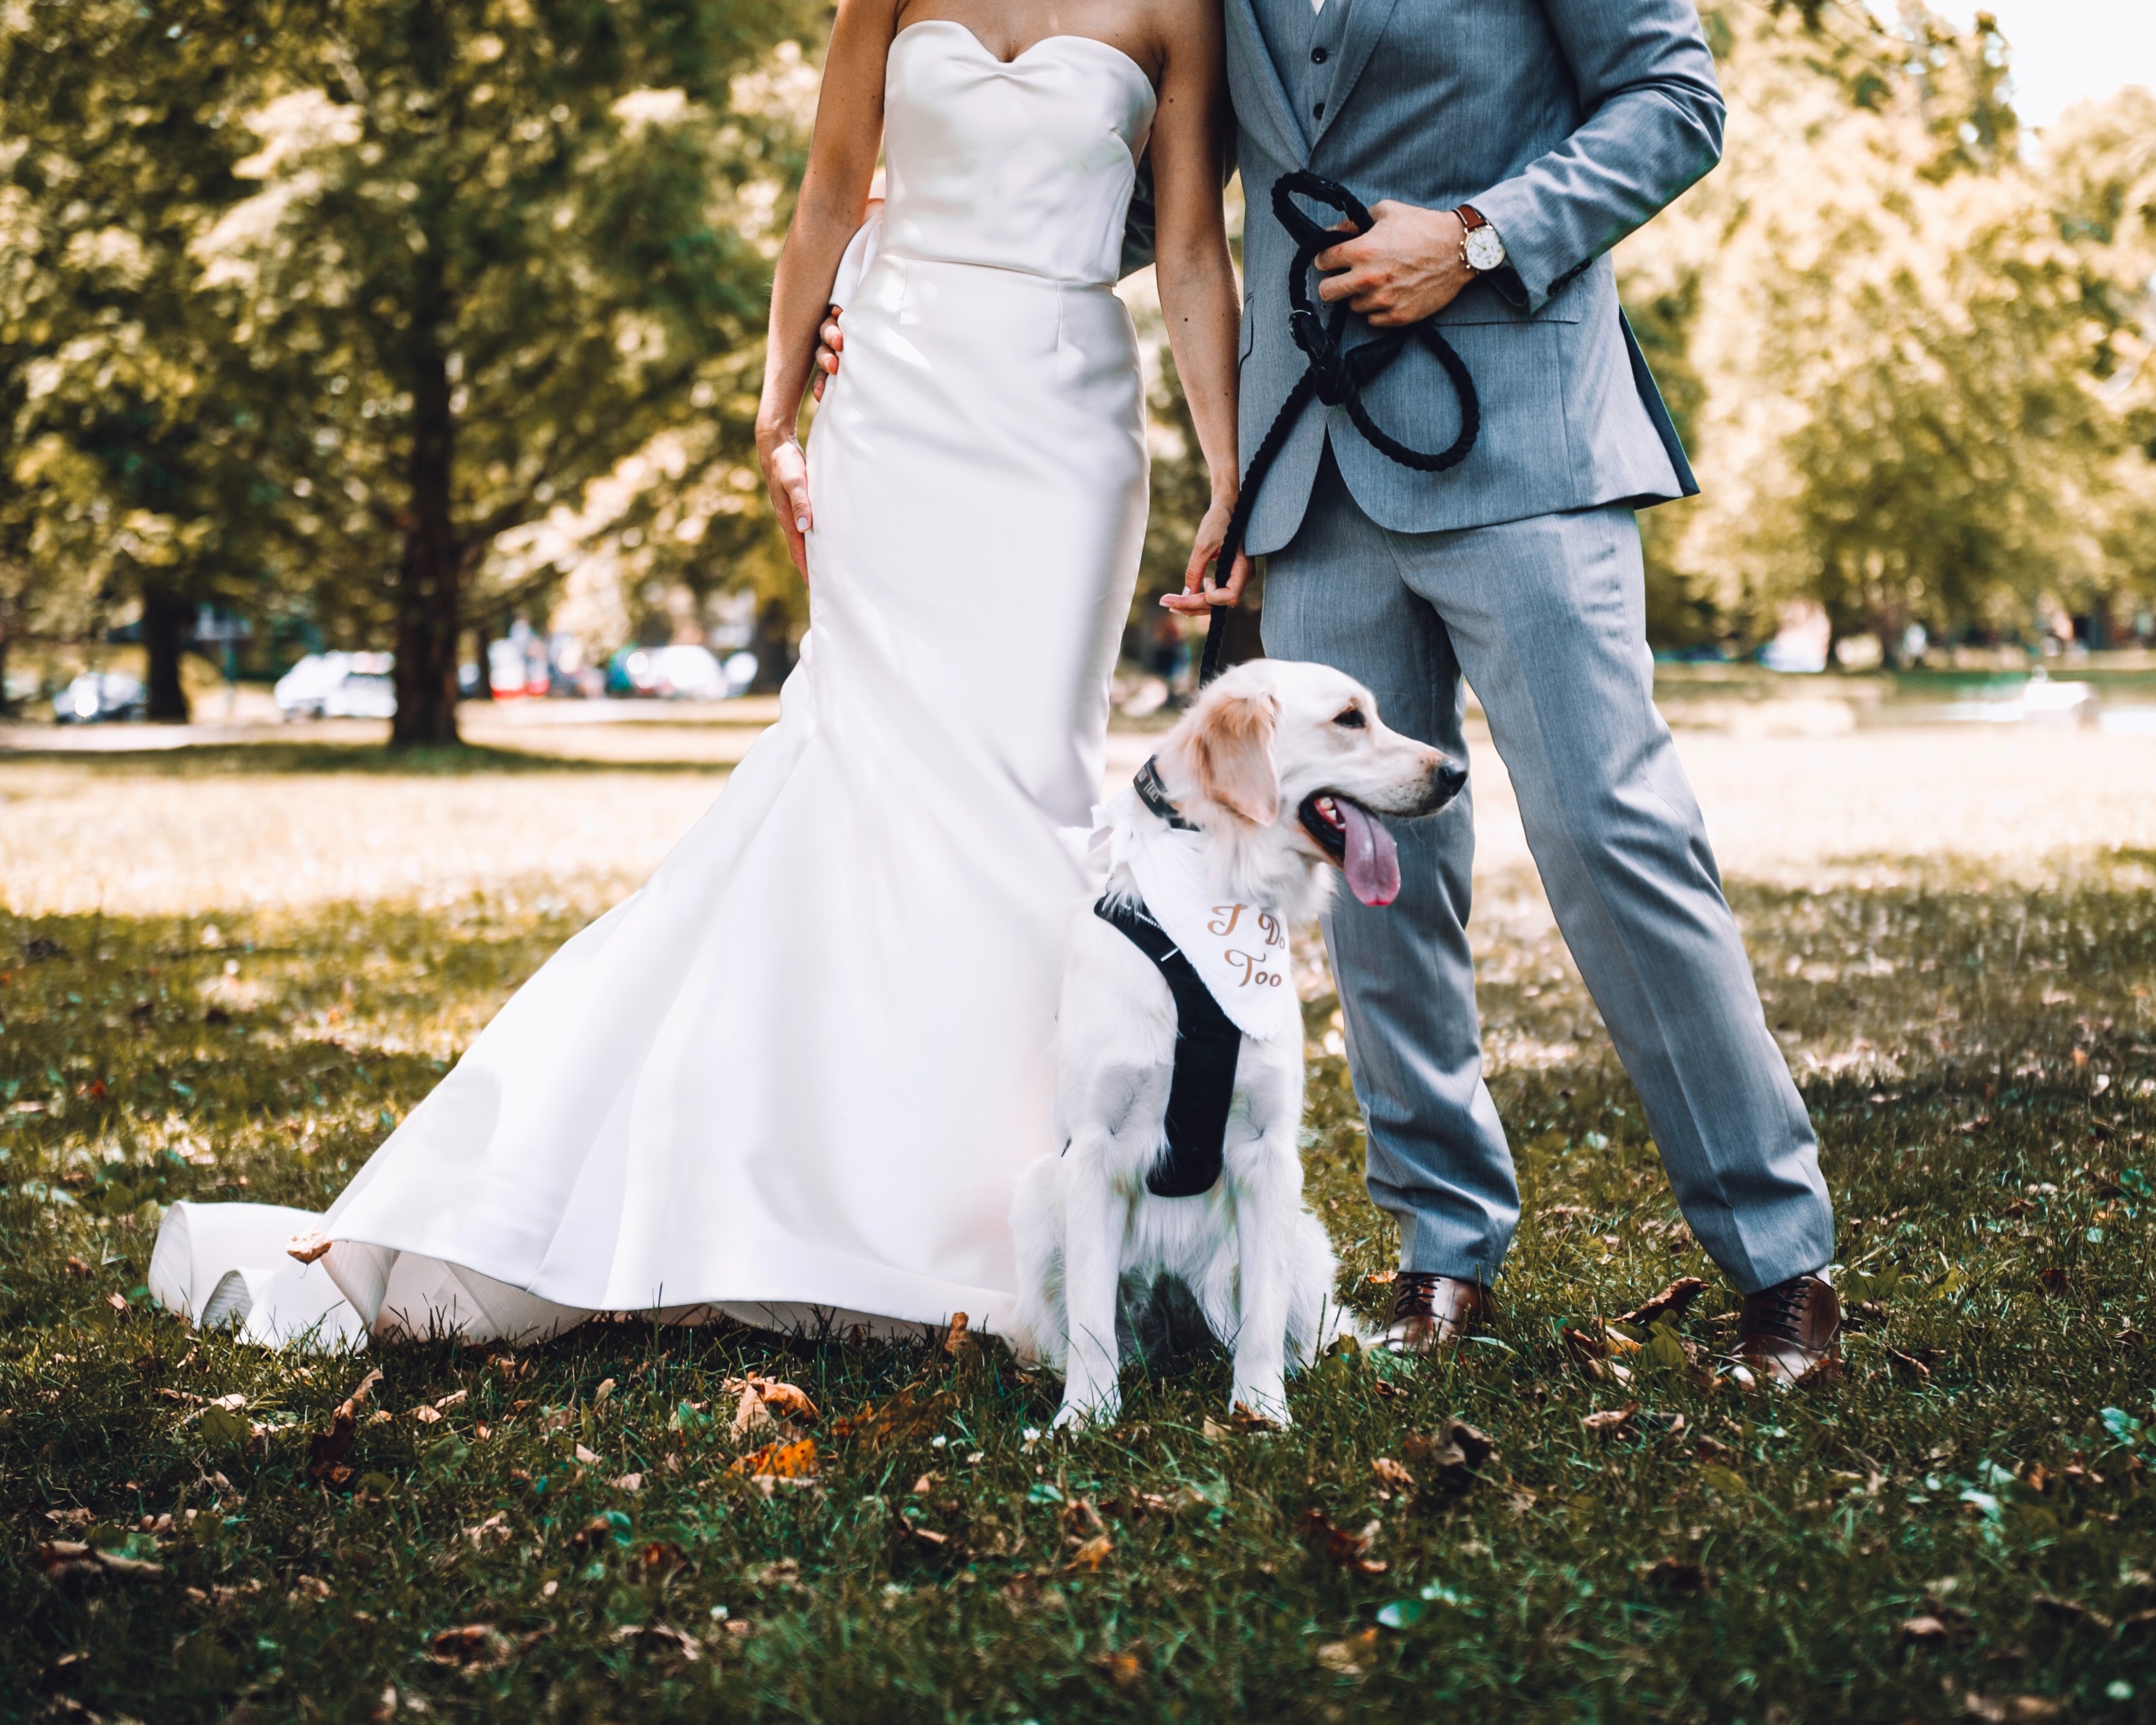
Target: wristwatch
x=1480, y=248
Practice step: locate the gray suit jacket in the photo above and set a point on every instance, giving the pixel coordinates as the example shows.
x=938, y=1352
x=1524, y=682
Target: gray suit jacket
x=1568, y=123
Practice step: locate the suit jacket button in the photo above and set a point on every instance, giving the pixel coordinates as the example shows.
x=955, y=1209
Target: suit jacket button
x=1318, y=56
x=1318, y=112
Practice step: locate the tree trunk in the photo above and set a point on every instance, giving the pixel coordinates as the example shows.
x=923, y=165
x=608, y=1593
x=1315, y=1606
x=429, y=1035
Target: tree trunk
x=428, y=600
x=164, y=634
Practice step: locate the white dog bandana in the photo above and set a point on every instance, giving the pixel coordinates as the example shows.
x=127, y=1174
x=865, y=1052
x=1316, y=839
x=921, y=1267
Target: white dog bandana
x=1240, y=950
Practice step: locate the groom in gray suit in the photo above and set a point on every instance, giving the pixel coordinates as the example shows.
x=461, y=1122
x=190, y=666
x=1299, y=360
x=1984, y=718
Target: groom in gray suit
x=1504, y=146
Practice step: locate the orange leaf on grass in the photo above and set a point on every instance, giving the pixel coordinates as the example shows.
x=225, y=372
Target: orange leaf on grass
x=1350, y=1551
x=795, y=1461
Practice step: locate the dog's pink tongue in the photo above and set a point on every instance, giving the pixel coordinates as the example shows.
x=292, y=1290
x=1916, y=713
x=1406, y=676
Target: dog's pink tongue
x=1373, y=862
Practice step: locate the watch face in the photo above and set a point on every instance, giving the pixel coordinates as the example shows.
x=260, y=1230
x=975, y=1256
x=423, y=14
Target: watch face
x=1485, y=250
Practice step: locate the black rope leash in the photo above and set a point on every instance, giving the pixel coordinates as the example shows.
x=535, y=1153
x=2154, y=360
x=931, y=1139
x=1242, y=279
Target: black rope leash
x=1335, y=375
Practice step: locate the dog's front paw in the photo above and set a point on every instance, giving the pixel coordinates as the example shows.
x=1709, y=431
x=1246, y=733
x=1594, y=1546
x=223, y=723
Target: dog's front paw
x=1081, y=1412
x=1266, y=1400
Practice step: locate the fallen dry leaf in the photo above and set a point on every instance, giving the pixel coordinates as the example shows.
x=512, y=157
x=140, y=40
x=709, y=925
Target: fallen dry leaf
x=658, y=1558
x=426, y=1415
x=71, y=1560
x=1907, y=1365
x=1349, y=1658
x=588, y=1457
x=309, y=1246
x=1999, y=1709
x=2070, y=1610
x=1241, y=1422
x=905, y=1414
x=1922, y=1632
x=1383, y=1278
x=1675, y=1576
x=956, y=1338
x=1392, y=1474
x=1611, y=1420
x=795, y=1461
x=1452, y=1458
x=1672, y=1303
x=479, y=1646
x=790, y=1399
x=629, y=1483
x=1587, y=1346
x=1350, y=1551
x=749, y=1413
x=1094, y=1552
x=1123, y=1667
x=451, y=1399
x=662, y=1639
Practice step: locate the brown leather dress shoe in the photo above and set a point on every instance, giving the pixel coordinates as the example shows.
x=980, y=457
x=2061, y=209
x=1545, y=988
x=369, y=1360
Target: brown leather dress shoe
x=1791, y=1330
x=1430, y=1312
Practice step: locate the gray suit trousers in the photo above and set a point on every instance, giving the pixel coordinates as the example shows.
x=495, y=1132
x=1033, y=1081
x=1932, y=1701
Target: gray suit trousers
x=1544, y=619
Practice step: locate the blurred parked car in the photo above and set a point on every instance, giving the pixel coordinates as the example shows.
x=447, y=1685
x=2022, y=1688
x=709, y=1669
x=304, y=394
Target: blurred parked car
x=96, y=696
x=339, y=686
x=680, y=673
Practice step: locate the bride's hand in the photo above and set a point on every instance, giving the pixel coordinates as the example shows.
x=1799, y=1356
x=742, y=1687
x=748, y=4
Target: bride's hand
x=1200, y=596
x=786, y=475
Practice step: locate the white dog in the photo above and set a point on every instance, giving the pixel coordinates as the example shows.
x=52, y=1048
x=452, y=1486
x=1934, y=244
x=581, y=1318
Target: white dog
x=1179, y=1041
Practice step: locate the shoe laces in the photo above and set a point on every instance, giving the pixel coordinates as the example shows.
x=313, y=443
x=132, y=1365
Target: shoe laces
x=1777, y=1310
x=1417, y=1295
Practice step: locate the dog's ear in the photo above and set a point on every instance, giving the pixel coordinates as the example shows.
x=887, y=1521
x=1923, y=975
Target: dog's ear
x=1231, y=753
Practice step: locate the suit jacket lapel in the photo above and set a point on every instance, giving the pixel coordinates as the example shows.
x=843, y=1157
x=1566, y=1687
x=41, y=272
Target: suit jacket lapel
x=1366, y=23
x=1246, y=40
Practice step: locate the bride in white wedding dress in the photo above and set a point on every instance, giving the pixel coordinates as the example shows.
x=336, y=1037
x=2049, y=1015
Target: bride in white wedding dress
x=797, y=1076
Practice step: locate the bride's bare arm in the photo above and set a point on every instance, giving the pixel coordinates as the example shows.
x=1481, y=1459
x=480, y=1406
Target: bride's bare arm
x=1197, y=295
x=835, y=193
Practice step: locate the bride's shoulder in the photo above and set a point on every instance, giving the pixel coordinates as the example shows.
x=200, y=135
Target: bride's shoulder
x=1186, y=28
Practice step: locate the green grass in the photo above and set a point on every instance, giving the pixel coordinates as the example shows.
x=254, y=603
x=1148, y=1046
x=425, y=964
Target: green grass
x=1979, y=1058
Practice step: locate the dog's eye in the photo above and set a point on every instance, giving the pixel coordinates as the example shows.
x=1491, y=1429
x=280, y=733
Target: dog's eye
x=1352, y=718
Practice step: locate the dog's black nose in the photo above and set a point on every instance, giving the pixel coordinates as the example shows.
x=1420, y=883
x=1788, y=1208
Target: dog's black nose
x=1449, y=780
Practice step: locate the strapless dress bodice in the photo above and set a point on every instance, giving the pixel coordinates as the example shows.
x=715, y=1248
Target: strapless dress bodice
x=1026, y=165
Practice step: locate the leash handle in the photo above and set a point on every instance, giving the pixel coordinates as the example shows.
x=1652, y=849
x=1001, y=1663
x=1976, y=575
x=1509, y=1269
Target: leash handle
x=1335, y=374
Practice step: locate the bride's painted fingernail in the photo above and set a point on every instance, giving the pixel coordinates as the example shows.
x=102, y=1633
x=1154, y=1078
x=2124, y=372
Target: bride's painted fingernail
x=801, y=524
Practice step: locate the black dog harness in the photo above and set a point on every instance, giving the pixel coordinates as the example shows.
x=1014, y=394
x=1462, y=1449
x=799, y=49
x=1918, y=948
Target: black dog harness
x=1335, y=375
x=1207, y=1045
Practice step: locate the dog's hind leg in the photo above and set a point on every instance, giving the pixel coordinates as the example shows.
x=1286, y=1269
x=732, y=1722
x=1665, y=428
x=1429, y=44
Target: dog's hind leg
x=1037, y=1240
x=1095, y=1214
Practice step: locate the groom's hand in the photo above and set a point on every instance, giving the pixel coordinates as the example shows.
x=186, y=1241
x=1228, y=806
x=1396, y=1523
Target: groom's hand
x=831, y=340
x=1408, y=267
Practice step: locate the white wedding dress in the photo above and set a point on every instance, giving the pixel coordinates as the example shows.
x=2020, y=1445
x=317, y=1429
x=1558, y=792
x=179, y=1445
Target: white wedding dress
x=796, y=1077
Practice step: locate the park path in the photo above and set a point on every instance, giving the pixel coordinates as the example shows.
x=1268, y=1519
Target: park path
x=175, y=831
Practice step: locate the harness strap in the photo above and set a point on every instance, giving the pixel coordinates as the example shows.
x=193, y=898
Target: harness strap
x=1207, y=1045
x=1335, y=375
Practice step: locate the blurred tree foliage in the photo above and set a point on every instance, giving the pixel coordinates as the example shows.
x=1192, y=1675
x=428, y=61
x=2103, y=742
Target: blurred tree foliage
x=402, y=316
x=497, y=248
x=1907, y=354
x=121, y=487
x=343, y=302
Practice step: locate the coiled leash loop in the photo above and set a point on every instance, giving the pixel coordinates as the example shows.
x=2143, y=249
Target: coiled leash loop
x=1335, y=375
